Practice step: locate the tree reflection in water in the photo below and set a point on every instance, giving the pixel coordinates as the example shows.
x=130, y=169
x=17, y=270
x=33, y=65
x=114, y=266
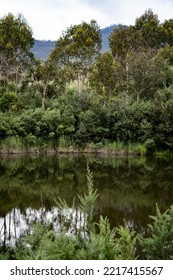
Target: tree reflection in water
x=15, y=223
x=129, y=188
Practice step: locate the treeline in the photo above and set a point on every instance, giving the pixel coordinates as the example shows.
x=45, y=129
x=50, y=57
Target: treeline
x=78, y=119
x=80, y=96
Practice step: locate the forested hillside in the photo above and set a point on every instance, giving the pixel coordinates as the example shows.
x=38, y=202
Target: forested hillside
x=42, y=48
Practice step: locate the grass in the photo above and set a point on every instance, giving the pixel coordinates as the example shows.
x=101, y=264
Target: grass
x=137, y=148
x=31, y=143
x=13, y=143
x=121, y=148
x=164, y=154
x=115, y=146
x=17, y=145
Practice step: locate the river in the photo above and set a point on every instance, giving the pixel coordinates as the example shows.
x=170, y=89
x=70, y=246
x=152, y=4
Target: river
x=129, y=189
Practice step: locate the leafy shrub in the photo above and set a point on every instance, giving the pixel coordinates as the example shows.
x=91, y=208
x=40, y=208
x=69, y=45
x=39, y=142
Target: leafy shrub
x=9, y=101
x=159, y=246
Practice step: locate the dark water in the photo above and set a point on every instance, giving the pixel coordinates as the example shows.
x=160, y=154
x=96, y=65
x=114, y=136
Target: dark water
x=129, y=189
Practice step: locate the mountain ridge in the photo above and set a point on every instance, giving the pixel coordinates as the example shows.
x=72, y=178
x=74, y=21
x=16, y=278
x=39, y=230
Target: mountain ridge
x=42, y=48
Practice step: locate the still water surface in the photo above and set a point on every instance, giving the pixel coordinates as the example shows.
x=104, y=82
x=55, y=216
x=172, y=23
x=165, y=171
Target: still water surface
x=129, y=189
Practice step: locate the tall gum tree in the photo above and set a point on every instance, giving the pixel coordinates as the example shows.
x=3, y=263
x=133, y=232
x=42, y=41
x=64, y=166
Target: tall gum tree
x=78, y=48
x=136, y=48
x=16, y=41
x=103, y=76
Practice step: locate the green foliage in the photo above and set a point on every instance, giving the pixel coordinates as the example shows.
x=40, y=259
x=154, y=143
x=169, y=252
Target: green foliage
x=87, y=126
x=147, y=72
x=143, y=51
x=138, y=149
x=77, y=49
x=81, y=41
x=118, y=101
x=52, y=246
x=28, y=247
x=79, y=97
x=87, y=201
x=102, y=245
x=124, y=40
x=12, y=143
x=104, y=74
x=149, y=26
x=15, y=43
x=4, y=256
x=159, y=245
x=80, y=120
x=9, y=101
x=126, y=244
x=55, y=247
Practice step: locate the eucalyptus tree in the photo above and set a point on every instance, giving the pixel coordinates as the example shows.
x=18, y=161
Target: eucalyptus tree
x=15, y=42
x=136, y=48
x=123, y=40
x=49, y=78
x=44, y=73
x=147, y=73
x=78, y=48
x=149, y=26
x=147, y=32
x=104, y=74
x=167, y=32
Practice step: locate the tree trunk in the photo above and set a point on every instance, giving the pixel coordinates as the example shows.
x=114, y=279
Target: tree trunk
x=79, y=82
x=127, y=78
x=7, y=80
x=44, y=96
x=16, y=78
x=138, y=93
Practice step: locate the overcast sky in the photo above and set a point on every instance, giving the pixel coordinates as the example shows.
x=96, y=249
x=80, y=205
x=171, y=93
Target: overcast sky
x=49, y=18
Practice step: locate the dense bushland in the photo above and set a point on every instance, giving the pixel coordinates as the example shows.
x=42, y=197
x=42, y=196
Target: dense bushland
x=80, y=96
x=77, y=119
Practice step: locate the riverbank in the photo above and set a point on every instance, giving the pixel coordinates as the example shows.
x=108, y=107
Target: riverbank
x=17, y=146
x=111, y=149
x=39, y=151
